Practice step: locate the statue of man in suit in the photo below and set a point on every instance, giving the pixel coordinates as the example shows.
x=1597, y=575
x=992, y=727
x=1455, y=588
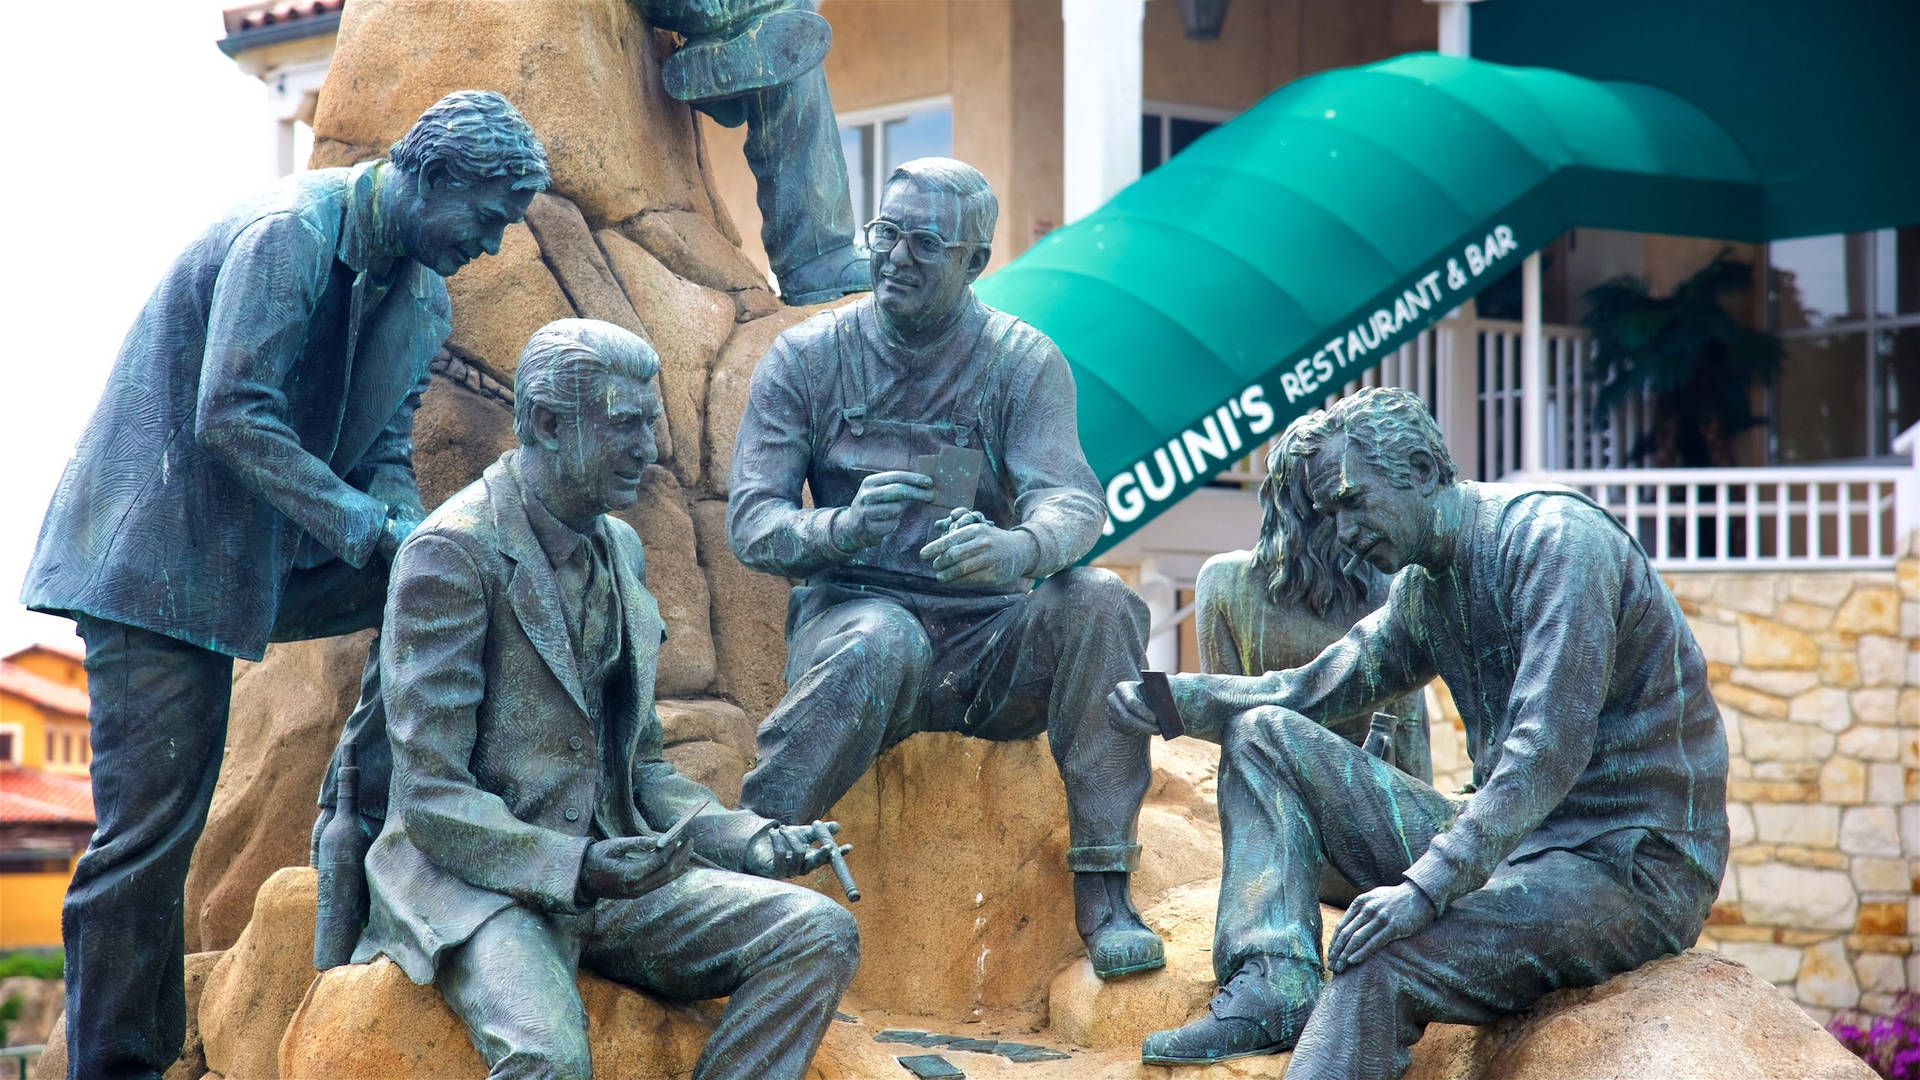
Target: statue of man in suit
x=526, y=833
x=246, y=478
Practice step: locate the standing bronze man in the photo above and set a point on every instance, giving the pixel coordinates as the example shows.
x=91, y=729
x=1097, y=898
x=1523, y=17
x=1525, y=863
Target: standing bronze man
x=918, y=616
x=246, y=478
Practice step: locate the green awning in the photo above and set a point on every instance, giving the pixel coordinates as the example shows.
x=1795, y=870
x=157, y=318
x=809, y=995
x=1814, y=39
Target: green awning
x=1233, y=288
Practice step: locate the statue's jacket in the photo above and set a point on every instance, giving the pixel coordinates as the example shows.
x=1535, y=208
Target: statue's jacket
x=1583, y=691
x=249, y=424
x=503, y=771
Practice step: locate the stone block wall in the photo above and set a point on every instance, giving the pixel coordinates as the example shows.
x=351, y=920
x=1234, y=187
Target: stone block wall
x=1818, y=676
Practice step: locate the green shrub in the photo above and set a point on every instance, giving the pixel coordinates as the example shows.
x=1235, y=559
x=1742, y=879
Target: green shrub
x=40, y=965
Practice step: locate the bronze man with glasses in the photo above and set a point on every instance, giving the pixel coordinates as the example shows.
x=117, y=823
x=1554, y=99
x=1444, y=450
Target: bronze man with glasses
x=922, y=615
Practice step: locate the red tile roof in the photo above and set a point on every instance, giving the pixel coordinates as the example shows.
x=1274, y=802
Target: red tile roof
x=40, y=795
x=258, y=16
x=42, y=691
x=71, y=649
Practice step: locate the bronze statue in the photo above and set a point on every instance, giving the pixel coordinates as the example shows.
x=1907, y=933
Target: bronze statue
x=938, y=439
x=246, y=477
x=757, y=62
x=534, y=826
x=1597, y=835
x=1277, y=606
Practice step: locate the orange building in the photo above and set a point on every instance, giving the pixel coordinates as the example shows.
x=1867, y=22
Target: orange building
x=46, y=796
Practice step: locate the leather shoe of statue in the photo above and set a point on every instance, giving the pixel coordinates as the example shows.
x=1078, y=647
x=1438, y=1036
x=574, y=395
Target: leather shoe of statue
x=1118, y=942
x=770, y=50
x=1261, y=1010
x=826, y=277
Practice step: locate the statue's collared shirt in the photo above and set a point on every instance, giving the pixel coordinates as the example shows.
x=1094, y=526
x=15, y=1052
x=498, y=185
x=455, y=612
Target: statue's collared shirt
x=590, y=607
x=834, y=400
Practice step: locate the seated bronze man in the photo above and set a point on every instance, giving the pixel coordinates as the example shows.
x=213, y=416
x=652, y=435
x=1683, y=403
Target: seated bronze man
x=524, y=836
x=919, y=610
x=1597, y=835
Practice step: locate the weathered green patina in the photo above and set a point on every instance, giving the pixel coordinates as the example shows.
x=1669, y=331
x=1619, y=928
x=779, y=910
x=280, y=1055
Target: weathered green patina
x=1598, y=834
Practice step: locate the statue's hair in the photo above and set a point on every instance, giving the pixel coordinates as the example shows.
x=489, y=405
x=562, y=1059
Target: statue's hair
x=979, y=207
x=568, y=361
x=470, y=137
x=1388, y=424
x=1298, y=546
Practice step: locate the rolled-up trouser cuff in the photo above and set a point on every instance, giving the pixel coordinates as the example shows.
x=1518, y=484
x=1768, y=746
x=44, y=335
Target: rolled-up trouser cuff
x=1110, y=858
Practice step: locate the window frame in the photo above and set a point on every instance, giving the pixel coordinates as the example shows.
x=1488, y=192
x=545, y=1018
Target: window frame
x=1169, y=111
x=1868, y=325
x=876, y=119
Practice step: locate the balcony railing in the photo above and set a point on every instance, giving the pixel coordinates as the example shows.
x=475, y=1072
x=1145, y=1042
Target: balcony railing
x=1813, y=517
x=1469, y=372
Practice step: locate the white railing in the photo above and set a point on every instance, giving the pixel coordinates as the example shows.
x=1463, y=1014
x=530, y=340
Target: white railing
x=1575, y=438
x=1814, y=517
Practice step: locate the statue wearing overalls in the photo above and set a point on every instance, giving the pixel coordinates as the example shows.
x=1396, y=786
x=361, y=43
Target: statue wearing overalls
x=878, y=648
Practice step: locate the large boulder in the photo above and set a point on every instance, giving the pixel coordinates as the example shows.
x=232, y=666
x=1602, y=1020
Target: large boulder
x=960, y=854
x=708, y=741
x=570, y=251
x=500, y=300
x=749, y=618
x=1694, y=1015
x=687, y=323
x=585, y=74
x=256, y=986
x=368, y=1020
x=458, y=431
x=674, y=578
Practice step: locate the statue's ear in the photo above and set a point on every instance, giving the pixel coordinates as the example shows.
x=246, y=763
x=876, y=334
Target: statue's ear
x=546, y=427
x=977, y=261
x=1426, y=472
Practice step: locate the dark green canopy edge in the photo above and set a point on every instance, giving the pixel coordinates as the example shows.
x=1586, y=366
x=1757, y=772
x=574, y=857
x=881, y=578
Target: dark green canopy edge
x=1200, y=307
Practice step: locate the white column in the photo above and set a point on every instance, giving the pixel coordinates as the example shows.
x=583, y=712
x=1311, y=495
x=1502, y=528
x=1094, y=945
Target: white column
x=1456, y=25
x=1101, y=106
x=1159, y=592
x=291, y=92
x=1533, y=371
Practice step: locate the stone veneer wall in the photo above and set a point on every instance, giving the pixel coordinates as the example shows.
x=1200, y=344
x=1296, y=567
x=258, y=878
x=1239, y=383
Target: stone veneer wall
x=1818, y=676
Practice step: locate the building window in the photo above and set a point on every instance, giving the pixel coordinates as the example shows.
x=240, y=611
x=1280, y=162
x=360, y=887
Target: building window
x=49, y=754
x=1166, y=129
x=876, y=141
x=9, y=742
x=1847, y=308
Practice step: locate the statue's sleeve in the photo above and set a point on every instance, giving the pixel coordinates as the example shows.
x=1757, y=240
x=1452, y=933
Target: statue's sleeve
x=1564, y=577
x=1055, y=494
x=1378, y=660
x=263, y=299
x=767, y=526
x=386, y=470
x=432, y=657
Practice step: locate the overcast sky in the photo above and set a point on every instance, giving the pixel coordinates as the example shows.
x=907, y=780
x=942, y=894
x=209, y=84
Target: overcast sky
x=128, y=132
